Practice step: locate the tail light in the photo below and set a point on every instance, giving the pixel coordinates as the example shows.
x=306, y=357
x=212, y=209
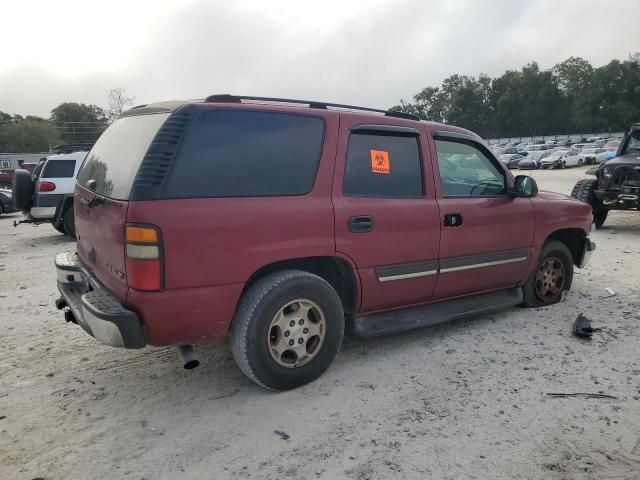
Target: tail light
x=46, y=186
x=144, y=257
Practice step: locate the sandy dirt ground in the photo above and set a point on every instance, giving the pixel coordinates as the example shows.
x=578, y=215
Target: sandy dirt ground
x=463, y=400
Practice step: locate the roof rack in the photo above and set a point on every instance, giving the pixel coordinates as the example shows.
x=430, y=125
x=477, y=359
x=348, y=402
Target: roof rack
x=227, y=98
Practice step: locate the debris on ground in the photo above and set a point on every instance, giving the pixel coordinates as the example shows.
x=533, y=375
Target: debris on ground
x=582, y=327
x=610, y=292
x=281, y=434
x=583, y=395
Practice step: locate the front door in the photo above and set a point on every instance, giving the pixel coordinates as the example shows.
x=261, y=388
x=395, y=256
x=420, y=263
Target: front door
x=386, y=215
x=486, y=234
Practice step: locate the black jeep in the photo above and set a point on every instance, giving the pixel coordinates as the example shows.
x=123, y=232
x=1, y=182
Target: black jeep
x=617, y=183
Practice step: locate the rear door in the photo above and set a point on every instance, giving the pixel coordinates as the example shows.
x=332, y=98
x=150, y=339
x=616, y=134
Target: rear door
x=102, y=193
x=486, y=235
x=386, y=216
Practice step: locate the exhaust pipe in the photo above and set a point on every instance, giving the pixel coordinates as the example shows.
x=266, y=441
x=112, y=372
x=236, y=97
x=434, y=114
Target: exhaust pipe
x=188, y=357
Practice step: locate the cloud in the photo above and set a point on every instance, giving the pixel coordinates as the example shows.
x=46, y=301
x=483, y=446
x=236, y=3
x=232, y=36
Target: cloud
x=362, y=52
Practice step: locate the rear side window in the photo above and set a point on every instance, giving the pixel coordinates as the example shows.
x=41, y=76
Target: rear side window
x=59, y=169
x=114, y=159
x=243, y=153
x=385, y=166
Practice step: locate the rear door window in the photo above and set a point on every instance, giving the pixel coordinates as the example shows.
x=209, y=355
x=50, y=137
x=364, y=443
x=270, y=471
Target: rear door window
x=386, y=166
x=115, y=158
x=59, y=169
x=246, y=153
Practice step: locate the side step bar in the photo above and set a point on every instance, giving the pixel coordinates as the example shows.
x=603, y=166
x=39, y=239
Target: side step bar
x=435, y=313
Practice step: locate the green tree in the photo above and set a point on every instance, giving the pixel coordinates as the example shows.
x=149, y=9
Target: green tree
x=28, y=136
x=79, y=123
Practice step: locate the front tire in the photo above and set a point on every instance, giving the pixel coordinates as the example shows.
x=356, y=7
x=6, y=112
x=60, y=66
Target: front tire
x=281, y=308
x=552, y=276
x=599, y=217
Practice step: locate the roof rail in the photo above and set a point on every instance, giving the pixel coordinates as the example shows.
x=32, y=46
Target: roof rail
x=227, y=98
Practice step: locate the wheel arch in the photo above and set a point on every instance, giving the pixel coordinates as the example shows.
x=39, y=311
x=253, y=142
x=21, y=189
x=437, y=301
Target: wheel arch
x=573, y=238
x=338, y=272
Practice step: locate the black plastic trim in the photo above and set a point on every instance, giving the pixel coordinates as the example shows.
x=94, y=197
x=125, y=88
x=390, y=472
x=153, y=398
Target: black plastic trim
x=479, y=260
x=227, y=98
x=406, y=268
x=435, y=313
x=381, y=129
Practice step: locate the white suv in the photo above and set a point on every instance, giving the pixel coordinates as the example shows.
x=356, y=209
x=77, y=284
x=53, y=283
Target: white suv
x=47, y=196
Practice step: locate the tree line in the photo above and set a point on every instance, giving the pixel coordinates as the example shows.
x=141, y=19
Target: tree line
x=69, y=122
x=571, y=97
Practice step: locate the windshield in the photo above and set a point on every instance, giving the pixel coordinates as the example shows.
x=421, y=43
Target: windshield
x=114, y=160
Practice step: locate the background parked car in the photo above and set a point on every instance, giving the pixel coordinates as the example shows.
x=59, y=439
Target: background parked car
x=590, y=156
x=6, y=202
x=537, y=152
x=562, y=158
x=511, y=160
x=612, y=145
x=46, y=195
x=528, y=163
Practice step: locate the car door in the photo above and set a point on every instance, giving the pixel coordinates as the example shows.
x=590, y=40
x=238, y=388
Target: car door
x=386, y=215
x=486, y=235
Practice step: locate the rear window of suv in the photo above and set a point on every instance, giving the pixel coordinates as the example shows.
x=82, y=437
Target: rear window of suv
x=115, y=158
x=246, y=153
x=59, y=169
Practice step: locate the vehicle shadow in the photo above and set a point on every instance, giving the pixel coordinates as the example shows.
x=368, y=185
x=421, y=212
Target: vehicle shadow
x=218, y=377
x=54, y=239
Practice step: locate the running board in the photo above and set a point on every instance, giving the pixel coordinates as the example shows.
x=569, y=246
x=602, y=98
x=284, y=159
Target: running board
x=435, y=313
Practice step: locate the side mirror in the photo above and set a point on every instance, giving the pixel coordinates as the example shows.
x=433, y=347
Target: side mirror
x=524, y=186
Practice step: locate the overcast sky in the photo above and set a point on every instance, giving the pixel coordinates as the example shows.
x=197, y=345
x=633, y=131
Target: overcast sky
x=369, y=52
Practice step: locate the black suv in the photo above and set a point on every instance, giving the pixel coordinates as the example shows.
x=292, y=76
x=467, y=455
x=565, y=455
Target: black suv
x=617, y=182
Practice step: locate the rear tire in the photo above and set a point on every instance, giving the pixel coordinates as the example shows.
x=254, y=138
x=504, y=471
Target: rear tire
x=69, y=222
x=257, y=337
x=552, y=275
x=580, y=162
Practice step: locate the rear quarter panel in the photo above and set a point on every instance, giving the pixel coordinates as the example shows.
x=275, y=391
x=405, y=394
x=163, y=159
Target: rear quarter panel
x=212, y=246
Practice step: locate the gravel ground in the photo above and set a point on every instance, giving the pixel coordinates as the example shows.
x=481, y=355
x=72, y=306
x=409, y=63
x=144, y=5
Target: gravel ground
x=462, y=400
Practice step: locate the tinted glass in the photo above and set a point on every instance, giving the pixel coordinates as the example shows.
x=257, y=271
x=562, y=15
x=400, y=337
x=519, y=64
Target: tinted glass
x=239, y=153
x=59, y=169
x=114, y=160
x=466, y=171
x=383, y=166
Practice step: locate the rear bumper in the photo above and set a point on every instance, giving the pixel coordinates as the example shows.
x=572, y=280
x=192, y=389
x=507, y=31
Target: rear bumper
x=95, y=309
x=589, y=248
x=46, y=207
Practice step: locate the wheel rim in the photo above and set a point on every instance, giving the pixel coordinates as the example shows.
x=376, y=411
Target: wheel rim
x=550, y=278
x=296, y=333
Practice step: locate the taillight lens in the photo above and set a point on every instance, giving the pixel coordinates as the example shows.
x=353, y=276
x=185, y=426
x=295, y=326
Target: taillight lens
x=46, y=186
x=144, y=257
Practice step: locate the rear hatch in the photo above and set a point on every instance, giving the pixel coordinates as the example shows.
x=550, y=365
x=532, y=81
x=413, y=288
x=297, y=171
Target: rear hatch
x=57, y=177
x=102, y=194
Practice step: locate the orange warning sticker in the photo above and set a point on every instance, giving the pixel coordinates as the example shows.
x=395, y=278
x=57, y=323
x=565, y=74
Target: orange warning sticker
x=380, y=161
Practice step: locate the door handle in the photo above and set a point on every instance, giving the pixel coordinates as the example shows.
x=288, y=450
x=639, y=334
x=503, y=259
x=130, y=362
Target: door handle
x=452, y=220
x=360, y=224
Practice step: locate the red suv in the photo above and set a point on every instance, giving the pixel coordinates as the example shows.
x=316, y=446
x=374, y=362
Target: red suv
x=284, y=222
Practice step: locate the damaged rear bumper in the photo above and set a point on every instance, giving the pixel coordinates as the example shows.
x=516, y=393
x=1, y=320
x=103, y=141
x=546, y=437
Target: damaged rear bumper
x=96, y=309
